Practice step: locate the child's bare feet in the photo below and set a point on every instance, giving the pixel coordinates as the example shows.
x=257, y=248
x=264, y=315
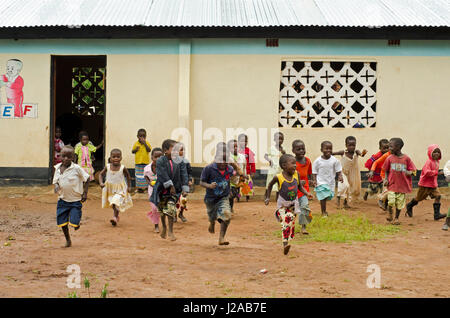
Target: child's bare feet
x=223, y=242
x=286, y=249
x=68, y=243
x=163, y=232
x=172, y=237
x=381, y=205
x=211, y=227
x=324, y=214
x=156, y=228
x=113, y=221
x=396, y=222
x=182, y=218
x=366, y=194
x=77, y=228
x=305, y=232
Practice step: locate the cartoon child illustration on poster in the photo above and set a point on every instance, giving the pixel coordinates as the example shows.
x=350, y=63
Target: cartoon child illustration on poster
x=13, y=83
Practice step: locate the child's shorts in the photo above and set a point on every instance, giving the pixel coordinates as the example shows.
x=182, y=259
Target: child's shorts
x=68, y=213
x=220, y=210
x=375, y=187
x=324, y=192
x=305, y=215
x=397, y=200
x=424, y=192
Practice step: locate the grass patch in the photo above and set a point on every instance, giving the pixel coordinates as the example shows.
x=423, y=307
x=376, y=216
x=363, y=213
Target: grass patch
x=342, y=228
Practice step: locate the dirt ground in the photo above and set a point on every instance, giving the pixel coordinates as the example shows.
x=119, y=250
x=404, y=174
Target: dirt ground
x=136, y=262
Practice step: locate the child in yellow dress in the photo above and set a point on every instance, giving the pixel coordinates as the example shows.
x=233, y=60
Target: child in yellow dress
x=115, y=188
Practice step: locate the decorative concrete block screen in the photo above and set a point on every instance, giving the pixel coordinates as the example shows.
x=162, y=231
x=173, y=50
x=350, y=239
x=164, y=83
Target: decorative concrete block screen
x=328, y=94
x=88, y=91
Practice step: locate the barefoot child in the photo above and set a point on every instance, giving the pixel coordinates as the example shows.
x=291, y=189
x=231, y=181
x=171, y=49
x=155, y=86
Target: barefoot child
x=273, y=158
x=304, y=170
x=351, y=187
x=71, y=183
x=215, y=178
x=324, y=171
x=150, y=176
x=83, y=154
x=287, y=203
x=141, y=149
x=171, y=183
x=247, y=189
x=238, y=162
x=374, y=177
x=398, y=168
x=116, y=187
x=182, y=202
x=428, y=185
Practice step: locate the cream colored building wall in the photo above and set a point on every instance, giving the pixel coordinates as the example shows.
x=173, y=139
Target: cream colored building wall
x=24, y=141
x=413, y=101
x=141, y=92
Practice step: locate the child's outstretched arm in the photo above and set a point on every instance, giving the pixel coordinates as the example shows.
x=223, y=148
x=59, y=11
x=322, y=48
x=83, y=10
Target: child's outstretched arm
x=338, y=153
x=269, y=189
x=361, y=154
x=208, y=185
x=101, y=177
x=303, y=190
x=127, y=176
x=99, y=146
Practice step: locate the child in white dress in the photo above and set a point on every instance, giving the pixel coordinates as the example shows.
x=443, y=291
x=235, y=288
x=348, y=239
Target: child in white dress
x=115, y=188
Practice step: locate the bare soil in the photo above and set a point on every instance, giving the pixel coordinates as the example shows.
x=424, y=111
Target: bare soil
x=136, y=262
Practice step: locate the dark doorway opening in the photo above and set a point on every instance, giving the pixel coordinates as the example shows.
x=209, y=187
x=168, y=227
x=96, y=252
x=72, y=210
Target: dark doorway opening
x=78, y=103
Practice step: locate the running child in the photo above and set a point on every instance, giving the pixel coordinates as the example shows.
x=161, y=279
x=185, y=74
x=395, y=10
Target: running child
x=447, y=179
x=71, y=183
x=288, y=204
x=378, y=165
x=398, y=168
x=182, y=202
x=150, y=176
x=247, y=189
x=239, y=164
x=141, y=149
x=116, y=187
x=83, y=153
x=351, y=187
x=215, y=178
x=374, y=177
x=324, y=170
x=171, y=183
x=304, y=170
x=428, y=185
x=273, y=157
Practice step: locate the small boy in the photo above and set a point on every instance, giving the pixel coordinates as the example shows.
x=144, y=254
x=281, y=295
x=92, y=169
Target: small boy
x=428, y=185
x=398, y=169
x=215, y=178
x=171, y=183
x=324, y=170
x=374, y=177
x=238, y=162
x=141, y=149
x=71, y=183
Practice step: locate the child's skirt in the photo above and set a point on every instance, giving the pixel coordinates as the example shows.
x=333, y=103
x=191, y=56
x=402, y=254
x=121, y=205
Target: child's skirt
x=286, y=216
x=247, y=187
x=118, y=195
x=141, y=182
x=153, y=215
x=324, y=192
x=343, y=188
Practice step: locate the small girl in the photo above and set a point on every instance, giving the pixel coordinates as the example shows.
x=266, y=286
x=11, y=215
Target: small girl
x=247, y=189
x=150, y=176
x=287, y=203
x=324, y=171
x=273, y=158
x=304, y=170
x=58, y=143
x=238, y=162
x=83, y=152
x=351, y=173
x=116, y=189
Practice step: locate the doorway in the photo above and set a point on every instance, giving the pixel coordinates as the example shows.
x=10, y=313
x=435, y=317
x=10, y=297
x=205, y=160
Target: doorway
x=78, y=103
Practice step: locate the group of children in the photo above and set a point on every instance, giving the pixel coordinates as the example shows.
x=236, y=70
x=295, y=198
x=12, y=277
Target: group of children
x=168, y=177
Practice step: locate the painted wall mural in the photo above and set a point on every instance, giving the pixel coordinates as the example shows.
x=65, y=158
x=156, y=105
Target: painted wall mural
x=11, y=93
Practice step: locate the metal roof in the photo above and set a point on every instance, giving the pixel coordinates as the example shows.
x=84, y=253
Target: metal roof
x=225, y=13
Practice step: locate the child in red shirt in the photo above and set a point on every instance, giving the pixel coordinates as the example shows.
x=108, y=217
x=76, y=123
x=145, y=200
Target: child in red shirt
x=428, y=185
x=375, y=179
x=304, y=169
x=398, y=168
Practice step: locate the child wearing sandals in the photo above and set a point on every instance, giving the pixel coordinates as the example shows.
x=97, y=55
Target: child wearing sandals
x=116, y=187
x=150, y=176
x=287, y=203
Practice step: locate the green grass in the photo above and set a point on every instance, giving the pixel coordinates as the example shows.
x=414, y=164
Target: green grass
x=341, y=228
